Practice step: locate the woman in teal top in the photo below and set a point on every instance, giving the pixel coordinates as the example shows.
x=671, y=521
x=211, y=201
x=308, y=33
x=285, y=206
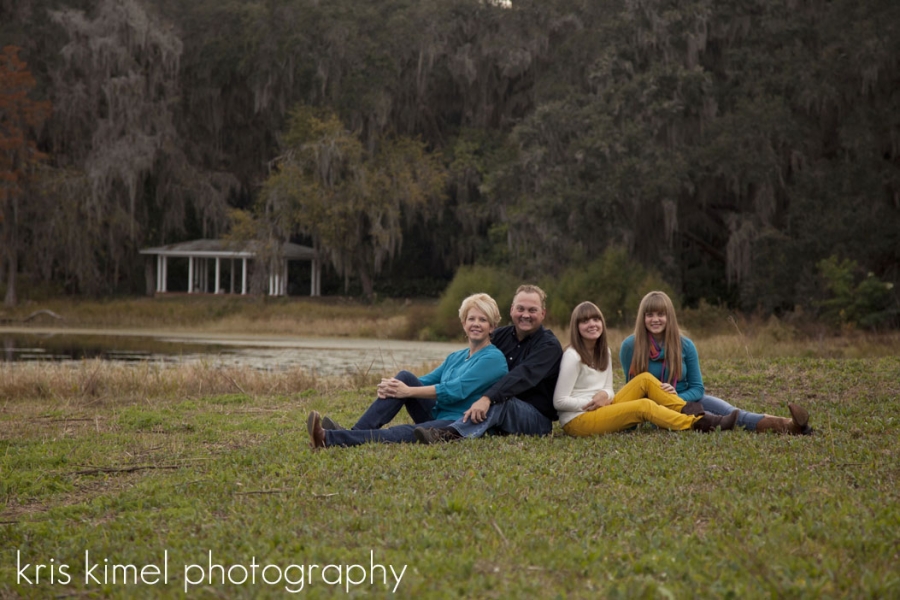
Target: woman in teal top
x=657, y=347
x=434, y=400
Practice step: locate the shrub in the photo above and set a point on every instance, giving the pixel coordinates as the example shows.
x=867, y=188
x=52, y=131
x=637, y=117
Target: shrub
x=852, y=300
x=613, y=282
x=471, y=280
x=707, y=319
x=420, y=320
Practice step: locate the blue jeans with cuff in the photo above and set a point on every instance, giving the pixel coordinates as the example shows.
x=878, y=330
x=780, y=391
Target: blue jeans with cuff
x=514, y=416
x=717, y=406
x=369, y=426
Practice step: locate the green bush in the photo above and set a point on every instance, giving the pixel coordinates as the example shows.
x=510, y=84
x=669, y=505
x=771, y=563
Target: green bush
x=613, y=282
x=706, y=319
x=853, y=300
x=420, y=319
x=472, y=280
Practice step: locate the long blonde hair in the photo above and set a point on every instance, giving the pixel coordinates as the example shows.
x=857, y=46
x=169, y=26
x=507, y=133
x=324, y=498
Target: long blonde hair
x=640, y=360
x=598, y=356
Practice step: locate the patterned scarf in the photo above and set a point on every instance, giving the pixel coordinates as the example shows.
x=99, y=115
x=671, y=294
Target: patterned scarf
x=656, y=352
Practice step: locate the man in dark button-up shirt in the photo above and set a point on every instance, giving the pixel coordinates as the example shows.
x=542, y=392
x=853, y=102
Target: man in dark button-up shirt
x=522, y=401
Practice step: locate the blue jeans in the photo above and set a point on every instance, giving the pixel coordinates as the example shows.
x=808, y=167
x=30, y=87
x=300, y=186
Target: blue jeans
x=717, y=406
x=381, y=412
x=511, y=417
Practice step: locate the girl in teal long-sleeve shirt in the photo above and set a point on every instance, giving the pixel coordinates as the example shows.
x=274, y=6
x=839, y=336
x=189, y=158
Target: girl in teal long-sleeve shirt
x=657, y=347
x=689, y=387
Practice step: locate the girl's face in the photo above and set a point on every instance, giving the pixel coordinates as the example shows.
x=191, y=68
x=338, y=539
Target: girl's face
x=655, y=322
x=591, y=329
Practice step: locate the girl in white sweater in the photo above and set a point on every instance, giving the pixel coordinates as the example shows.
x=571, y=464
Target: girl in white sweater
x=584, y=395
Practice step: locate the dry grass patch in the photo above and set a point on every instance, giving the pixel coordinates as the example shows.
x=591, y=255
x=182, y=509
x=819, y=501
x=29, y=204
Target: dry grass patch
x=96, y=383
x=227, y=314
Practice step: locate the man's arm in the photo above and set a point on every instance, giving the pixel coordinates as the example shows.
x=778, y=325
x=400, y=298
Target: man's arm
x=540, y=363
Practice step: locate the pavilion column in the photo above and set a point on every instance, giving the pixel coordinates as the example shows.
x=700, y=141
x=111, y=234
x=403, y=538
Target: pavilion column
x=231, y=289
x=218, y=269
x=274, y=280
x=244, y=277
x=159, y=273
x=165, y=274
x=190, y=275
x=284, y=279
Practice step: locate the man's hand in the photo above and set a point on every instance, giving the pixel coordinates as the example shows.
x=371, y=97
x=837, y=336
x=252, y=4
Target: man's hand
x=478, y=411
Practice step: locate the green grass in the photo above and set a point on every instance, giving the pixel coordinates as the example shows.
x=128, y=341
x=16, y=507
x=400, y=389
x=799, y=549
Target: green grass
x=177, y=461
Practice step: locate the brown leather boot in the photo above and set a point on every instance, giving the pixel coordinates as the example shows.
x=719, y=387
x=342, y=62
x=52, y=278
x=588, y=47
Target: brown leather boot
x=692, y=408
x=798, y=424
x=708, y=422
x=776, y=424
x=800, y=416
x=314, y=428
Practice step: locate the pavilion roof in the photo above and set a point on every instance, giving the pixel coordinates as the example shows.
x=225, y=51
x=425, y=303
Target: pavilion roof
x=228, y=249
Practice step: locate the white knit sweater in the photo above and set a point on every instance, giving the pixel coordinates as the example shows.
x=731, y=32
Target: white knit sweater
x=577, y=384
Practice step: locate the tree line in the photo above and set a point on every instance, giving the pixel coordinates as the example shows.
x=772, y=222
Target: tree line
x=747, y=151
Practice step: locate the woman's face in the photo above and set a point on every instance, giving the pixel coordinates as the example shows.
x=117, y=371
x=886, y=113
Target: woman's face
x=655, y=322
x=591, y=329
x=477, y=326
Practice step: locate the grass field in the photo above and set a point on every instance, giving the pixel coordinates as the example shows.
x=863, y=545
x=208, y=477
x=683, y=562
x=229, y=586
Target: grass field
x=158, y=473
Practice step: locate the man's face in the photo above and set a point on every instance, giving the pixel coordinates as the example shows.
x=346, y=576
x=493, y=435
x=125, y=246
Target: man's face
x=526, y=313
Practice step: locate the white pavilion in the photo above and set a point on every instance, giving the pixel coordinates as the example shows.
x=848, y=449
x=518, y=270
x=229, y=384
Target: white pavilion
x=202, y=255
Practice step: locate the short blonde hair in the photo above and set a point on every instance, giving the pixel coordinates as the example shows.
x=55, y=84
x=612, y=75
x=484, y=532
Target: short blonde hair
x=482, y=302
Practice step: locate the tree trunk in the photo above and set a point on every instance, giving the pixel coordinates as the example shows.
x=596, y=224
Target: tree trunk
x=12, y=249
x=149, y=274
x=11, y=299
x=368, y=284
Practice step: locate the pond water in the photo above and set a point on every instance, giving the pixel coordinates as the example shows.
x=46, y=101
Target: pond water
x=323, y=356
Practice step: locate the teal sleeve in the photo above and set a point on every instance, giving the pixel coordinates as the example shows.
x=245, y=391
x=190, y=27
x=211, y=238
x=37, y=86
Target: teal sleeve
x=435, y=376
x=472, y=378
x=626, y=352
x=690, y=388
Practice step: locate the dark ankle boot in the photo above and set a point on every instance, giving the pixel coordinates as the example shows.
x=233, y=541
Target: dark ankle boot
x=435, y=435
x=692, y=408
x=708, y=422
x=329, y=423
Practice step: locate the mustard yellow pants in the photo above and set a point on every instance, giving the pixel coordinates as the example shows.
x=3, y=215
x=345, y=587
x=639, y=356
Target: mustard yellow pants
x=642, y=400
